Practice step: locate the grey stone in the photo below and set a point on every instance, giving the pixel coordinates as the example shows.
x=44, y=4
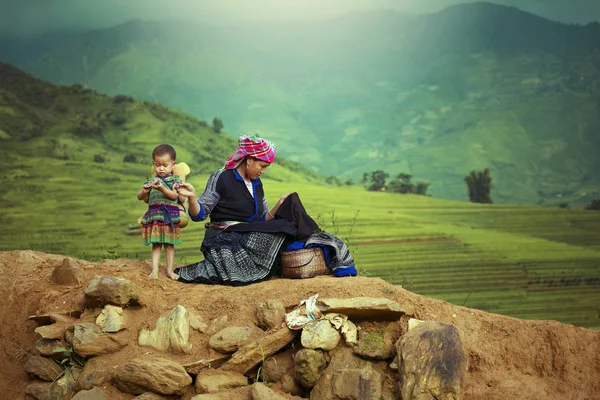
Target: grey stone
x=254, y=352
x=158, y=375
x=363, y=308
x=215, y=381
x=171, y=333
x=432, y=362
x=271, y=314
x=261, y=392
x=308, y=366
x=102, y=290
x=95, y=372
x=230, y=339
x=92, y=394
x=276, y=366
x=320, y=335
x=111, y=319
x=44, y=368
x=89, y=340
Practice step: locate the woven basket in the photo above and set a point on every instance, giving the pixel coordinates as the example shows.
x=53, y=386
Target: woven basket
x=305, y=263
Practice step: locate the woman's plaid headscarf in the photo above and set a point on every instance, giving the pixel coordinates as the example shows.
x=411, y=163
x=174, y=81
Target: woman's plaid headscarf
x=251, y=146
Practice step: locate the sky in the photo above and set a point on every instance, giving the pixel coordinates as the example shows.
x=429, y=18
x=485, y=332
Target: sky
x=37, y=16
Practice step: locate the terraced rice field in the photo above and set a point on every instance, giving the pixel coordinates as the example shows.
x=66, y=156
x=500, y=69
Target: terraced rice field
x=526, y=262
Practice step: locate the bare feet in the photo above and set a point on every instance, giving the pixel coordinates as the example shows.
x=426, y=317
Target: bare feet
x=172, y=275
x=153, y=274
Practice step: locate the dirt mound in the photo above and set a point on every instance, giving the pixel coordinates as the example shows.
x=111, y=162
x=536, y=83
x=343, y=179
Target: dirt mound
x=508, y=357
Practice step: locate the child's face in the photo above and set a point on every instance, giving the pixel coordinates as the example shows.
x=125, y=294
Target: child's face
x=163, y=165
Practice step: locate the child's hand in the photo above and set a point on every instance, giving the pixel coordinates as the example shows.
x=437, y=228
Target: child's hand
x=146, y=187
x=157, y=184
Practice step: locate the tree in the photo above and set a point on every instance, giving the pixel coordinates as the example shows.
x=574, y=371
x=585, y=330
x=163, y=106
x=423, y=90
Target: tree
x=402, y=184
x=217, y=125
x=332, y=180
x=421, y=188
x=479, y=184
x=365, y=179
x=594, y=204
x=378, y=180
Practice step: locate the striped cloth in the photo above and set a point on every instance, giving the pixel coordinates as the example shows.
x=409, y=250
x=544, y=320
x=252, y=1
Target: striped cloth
x=251, y=146
x=234, y=258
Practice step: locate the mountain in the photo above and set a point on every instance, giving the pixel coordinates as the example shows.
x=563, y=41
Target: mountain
x=473, y=86
x=73, y=160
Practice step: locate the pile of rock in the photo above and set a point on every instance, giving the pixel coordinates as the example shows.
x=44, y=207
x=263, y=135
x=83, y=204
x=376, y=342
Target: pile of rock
x=358, y=348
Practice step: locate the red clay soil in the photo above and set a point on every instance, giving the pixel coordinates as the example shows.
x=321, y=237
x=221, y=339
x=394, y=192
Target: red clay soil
x=508, y=358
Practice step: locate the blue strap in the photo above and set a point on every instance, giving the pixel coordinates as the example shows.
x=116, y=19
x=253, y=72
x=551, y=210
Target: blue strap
x=167, y=216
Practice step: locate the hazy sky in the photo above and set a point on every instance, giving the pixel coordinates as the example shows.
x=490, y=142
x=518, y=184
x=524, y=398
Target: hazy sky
x=34, y=16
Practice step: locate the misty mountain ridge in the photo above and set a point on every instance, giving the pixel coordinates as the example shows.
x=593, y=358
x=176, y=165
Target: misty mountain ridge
x=436, y=95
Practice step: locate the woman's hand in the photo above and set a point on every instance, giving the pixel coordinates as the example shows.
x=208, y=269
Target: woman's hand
x=282, y=199
x=185, y=189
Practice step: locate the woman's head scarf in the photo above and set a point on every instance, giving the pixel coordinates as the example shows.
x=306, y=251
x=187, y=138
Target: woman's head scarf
x=251, y=146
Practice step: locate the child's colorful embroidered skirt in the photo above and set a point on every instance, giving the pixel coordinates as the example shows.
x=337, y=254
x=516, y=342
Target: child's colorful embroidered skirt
x=160, y=224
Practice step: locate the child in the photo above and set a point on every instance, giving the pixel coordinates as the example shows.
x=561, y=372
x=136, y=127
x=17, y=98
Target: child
x=160, y=224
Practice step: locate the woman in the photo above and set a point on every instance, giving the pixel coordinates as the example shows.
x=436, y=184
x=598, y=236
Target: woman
x=244, y=237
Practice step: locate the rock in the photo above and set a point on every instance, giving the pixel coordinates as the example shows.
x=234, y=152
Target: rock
x=217, y=324
x=171, y=332
x=38, y=390
x=102, y=290
x=271, y=314
x=432, y=362
x=67, y=273
x=288, y=384
x=64, y=316
x=261, y=392
x=93, y=394
x=89, y=340
x=356, y=384
x=43, y=367
x=215, y=381
x=28, y=257
x=54, y=331
x=48, y=347
x=320, y=335
x=230, y=339
x=276, y=366
x=153, y=396
x=197, y=323
x=157, y=375
x=111, y=319
x=64, y=388
x=209, y=396
x=363, y=308
x=255, y=352
x=349, y=333
x=377, y=342
x=344, y=358
x=308, y=366
x=413, y=323
x=214, y=362
x=95, y=372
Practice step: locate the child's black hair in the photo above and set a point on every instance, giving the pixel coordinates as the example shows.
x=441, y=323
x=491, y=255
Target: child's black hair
x=163, y=149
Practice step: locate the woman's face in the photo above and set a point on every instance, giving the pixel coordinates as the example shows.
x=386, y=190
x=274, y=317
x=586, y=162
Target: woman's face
x=255, y=167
